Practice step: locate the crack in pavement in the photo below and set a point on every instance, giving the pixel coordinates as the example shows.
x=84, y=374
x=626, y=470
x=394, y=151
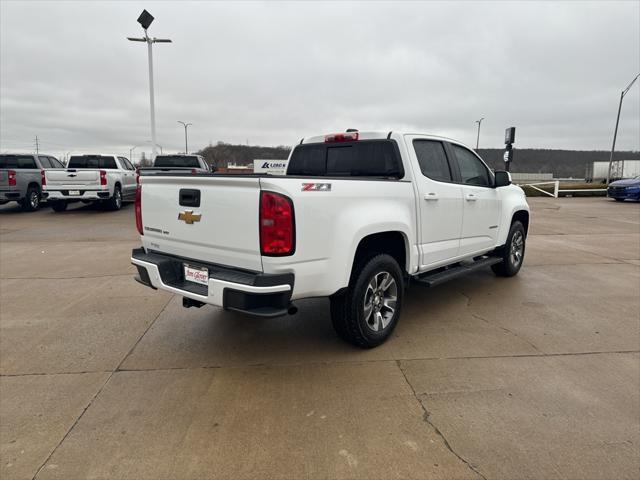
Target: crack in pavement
x=64, y=437
x=427, y=420
x=505, y=329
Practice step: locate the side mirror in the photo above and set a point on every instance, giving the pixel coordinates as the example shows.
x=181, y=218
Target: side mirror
x=502, y=178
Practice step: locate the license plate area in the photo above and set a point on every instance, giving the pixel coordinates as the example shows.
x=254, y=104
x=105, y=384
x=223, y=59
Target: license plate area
x=74, y=193
x=199, y=275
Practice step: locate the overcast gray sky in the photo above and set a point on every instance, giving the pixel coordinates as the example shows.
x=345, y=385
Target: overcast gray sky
x=272, y=72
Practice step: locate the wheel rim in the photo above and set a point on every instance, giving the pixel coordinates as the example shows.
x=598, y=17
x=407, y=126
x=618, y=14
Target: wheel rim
x=33, y=199
x=516, y=251
x=380, y=300
x=118, y=198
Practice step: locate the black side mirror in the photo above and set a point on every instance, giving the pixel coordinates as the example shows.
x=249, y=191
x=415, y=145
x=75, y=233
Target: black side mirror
x=502, y=178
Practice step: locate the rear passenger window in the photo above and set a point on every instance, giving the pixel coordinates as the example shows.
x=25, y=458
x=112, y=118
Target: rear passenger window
x=44, y=161
x=372, y=158
x=472, y=170
x=433, y=160
x=55, y=163
x=17, y=161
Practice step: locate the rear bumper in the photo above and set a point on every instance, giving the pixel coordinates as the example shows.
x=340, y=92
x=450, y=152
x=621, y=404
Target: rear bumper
x=55, y=195
x=10, y=195
x=258, y=294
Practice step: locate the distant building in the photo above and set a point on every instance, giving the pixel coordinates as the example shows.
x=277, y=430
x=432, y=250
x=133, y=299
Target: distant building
x=272, y=167
x=233, y=168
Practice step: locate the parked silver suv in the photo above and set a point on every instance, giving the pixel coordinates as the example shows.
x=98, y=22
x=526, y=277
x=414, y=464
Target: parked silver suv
x=21, y=178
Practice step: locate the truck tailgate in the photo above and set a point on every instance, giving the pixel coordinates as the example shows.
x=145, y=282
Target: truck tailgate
x=222, y=230
x=72, y=178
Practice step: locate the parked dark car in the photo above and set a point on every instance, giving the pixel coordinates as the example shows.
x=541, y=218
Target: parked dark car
x=21, y=178
x=621, y=190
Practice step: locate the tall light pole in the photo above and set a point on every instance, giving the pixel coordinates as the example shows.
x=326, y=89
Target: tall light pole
x=131, y=153
x=615, y=132
x=145, y=19
x=186, y=146
x=478, y=137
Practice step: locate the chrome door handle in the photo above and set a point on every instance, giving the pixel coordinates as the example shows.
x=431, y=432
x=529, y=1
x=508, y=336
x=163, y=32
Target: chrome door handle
x=431, y=196
x=470, y=197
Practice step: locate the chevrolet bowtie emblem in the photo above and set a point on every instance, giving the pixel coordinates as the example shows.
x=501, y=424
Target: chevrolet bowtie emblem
x=189, y=217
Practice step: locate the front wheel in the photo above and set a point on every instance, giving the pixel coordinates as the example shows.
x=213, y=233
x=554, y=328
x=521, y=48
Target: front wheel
x=366, y=314
x=512, y=253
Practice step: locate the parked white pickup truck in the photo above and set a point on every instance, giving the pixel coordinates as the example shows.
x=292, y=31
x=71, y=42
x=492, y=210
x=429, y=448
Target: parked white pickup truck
x=107, y=179
x=356, y=217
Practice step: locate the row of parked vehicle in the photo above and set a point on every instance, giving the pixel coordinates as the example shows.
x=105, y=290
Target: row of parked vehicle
x=109, y=180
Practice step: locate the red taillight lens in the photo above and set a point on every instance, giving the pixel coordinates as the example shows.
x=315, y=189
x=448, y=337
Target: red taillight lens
x=43, y=178
x=103, y=178
x=138, y=209
x=277, y=229
x=12, y=178
x=341, y=137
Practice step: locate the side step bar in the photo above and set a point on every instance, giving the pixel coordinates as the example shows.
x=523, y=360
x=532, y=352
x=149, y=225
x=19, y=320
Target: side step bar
x=432, y=279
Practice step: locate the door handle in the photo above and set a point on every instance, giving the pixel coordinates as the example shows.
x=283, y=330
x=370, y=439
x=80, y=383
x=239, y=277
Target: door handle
x=431, y=196
x=470, y=197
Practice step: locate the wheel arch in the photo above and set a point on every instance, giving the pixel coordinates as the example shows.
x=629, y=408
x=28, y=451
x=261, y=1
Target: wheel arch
x=392, y=242
x=523, y=217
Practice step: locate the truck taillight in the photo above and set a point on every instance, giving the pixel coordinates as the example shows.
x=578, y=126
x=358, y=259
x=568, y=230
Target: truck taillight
x=341, y=137
x=138, y=209
x=11, y=174
x=103, y=178
x=277, y=225
x=43, y=178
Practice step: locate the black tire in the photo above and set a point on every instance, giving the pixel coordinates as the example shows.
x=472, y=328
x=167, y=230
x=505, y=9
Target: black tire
x=619, y=199
x=31, y=201
x=59, y=206
x=512, y=253
x=115, y=202
x=348, y=310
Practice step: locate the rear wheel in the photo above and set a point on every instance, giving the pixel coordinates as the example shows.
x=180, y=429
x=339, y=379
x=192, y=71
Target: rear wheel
x=115, y=202
x=366, y=314
x=59, y=206
x=31, y=201
x=512, y=253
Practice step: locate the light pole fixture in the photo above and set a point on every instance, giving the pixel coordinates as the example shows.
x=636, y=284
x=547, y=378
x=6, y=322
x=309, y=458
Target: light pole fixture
x=145, y=19
x=478, y=137
x=186, y=145
x=615, y=132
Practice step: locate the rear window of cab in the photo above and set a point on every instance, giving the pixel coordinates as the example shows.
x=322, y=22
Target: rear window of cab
x=17, y=161
x=92, y=161
x=364, y=158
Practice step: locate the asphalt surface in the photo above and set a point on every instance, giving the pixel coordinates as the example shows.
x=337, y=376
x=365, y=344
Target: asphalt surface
x=536, y=376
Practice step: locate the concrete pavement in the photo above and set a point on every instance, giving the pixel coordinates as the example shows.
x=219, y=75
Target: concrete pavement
x=537, y=376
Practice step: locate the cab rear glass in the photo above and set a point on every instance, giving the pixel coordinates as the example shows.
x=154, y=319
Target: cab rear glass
x=364, y=158
x=17, y=161
x=176, y=161
x=92, y=161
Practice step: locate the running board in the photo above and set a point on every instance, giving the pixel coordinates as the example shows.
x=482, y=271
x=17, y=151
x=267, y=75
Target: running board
x=433, y=279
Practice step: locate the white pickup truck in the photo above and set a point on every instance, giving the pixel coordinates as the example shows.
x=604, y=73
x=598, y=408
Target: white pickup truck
x=357, y=216
x=107, y=179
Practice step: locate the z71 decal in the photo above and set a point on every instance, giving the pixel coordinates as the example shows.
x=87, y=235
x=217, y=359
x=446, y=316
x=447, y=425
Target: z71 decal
x=316, y=187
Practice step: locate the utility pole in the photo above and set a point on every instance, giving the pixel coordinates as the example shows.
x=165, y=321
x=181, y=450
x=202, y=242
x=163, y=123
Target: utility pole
x=37, y=146
x=145, y=19
x=615, y=132
x=478, y=137
x=186, y=146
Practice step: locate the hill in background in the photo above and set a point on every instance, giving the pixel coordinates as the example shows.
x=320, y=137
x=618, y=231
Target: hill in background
x=562, y=163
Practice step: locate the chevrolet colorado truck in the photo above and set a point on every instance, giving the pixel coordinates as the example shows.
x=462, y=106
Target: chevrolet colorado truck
x=21, y=178
x=357, y=216
x=106, y=179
